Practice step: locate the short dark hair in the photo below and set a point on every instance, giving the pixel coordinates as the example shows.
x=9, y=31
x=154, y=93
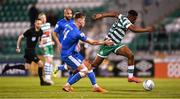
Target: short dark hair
x=37, y=19
x=78, y=15
x=132, y=13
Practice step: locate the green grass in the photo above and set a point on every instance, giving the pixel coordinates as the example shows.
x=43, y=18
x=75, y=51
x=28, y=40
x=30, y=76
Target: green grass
x=119, y=88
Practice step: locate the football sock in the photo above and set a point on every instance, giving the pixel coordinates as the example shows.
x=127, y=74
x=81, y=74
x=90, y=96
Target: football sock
x=70, y=76
x=130, y=71
x=40, y=69
x=47, y=71
x=92, y=77
x=75, y=78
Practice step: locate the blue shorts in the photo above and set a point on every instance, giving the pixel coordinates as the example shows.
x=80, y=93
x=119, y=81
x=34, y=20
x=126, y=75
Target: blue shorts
x=73, y=60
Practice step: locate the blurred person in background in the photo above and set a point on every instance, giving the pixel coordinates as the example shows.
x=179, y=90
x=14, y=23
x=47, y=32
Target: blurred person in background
x=116, y=34
x=32, y=36
x=58, y=33
x=46, y=45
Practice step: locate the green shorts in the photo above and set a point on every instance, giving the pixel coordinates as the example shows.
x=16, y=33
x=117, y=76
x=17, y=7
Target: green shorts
x=104, y=50
x=39, y=51
x=49, y=51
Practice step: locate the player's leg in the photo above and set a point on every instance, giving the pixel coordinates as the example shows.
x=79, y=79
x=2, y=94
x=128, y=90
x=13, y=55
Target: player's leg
x=92, y=77
x=40, y=73
x=125, y=51
x=82, y=73
x=76, y=64
x=61, y=67
x=97, y=61
x=103, y=52
x=48, y=66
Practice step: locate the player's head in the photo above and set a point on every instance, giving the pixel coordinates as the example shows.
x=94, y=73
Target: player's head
x=42, y=17
x=38, y=23
x=68, y=13
x=132, y=16
x=79, y=19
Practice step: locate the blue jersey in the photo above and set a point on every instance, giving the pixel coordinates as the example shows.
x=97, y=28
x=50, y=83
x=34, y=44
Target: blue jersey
x=72, y=35
x=60, y=26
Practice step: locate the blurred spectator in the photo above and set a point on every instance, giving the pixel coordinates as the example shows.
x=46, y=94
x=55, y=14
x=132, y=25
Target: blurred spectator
x=33, y=13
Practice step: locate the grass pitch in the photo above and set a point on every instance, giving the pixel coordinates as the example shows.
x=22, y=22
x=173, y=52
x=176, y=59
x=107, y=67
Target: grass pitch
x=119, y=88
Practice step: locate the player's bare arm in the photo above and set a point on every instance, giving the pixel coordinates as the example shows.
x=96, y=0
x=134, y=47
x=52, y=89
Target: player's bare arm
x=105, y=14
x=18, y=50
x=57, y=43
x=138, y=29
x=95, y=42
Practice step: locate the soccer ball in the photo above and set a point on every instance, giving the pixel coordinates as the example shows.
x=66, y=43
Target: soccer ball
x=148, y=85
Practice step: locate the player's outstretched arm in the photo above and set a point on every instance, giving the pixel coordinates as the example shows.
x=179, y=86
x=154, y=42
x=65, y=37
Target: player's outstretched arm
x=137, y=29
x=18, y=43
x=95, y=42
x=105, y=14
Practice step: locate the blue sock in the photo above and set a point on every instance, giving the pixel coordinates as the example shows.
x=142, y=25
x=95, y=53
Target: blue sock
x=74, y=79
x=92, y=77
x=61, y=67
x=70, y=76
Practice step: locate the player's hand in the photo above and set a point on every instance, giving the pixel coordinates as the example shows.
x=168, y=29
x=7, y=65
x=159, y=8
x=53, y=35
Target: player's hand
x=18, y=50
x=151, y=29
x=97, y=16
x=109, y=42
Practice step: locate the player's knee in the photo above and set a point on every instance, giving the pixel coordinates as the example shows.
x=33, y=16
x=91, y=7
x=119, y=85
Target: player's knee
x=84, y=69
x=82, y=74
x=49, y=60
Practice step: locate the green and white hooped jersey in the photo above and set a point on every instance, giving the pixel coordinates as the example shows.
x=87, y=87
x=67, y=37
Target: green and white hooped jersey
x=119, y=28
x=47, y=34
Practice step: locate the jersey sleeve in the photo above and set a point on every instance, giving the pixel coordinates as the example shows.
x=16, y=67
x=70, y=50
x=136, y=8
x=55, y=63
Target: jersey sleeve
x=57, y=28
x=125, y=21
x=26, y=33
x=82, y=36
x=119, y=17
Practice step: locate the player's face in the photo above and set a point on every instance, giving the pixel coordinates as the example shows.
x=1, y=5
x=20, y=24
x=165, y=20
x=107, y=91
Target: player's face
x=38, y=24
x=68, y=14
x=82, y=21
x=43, y=18
x=133, y=19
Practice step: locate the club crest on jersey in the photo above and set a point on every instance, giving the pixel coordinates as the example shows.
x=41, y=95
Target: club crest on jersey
x=82, y=34
x=33, y=39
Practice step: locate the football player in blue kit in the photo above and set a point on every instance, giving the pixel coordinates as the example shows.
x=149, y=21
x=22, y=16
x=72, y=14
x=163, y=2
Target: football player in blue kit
x=60, y=26
x=69, y=54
